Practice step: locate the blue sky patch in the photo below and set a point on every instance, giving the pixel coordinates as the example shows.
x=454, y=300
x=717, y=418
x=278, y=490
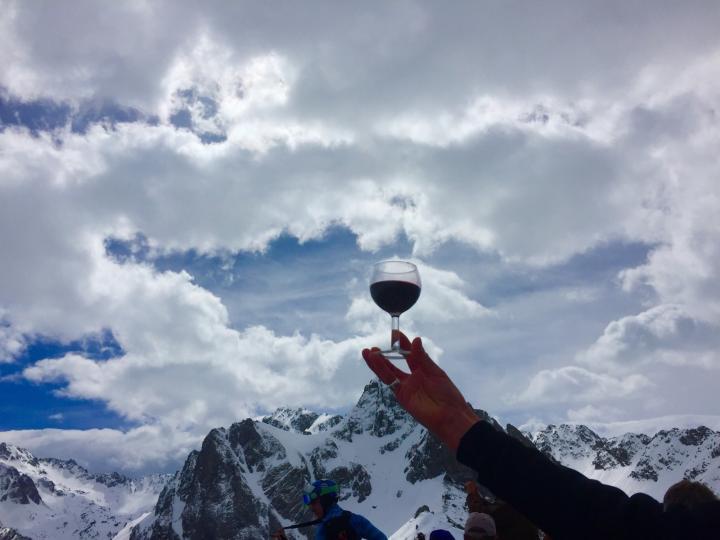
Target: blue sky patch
x=42, y=115
x=27, y=405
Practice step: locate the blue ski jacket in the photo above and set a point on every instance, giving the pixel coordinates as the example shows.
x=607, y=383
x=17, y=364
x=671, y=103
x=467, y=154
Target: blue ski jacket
x=361, y=525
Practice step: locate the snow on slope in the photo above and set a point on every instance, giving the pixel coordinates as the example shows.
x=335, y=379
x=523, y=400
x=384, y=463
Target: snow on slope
x=247, y=479
x=425, y=522
x=637, y=462
x=54, y=499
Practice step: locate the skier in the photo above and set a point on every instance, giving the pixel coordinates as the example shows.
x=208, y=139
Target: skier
x=334, y=522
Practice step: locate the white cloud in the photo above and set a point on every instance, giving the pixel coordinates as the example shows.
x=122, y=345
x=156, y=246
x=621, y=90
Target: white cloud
x=662, y=334
x=12, y=342
x=183, y=365
x=573, y=384
x=347, y=49
x=374, y=118
x=145, y=449
x=590, y=413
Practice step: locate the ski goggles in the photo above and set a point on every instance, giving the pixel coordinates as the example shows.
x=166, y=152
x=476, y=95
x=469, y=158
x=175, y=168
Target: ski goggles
x=312, y=492
x=309, y=495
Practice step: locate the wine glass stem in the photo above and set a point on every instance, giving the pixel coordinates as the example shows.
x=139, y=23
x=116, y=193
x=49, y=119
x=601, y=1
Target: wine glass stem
x=395, y=341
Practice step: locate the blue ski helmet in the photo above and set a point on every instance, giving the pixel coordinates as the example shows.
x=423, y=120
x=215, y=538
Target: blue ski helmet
x=325, y=489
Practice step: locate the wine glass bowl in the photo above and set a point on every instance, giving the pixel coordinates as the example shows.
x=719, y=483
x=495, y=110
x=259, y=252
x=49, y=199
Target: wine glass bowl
x=395, y=287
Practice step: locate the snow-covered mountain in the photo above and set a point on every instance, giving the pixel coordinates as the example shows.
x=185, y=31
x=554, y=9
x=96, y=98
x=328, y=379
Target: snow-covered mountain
x=6, y=533
x=246, y=479
x=636, y=462
x=302, y=420
x=56, y=500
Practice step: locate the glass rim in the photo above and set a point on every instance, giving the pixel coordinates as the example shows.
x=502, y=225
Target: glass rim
x=413, y=266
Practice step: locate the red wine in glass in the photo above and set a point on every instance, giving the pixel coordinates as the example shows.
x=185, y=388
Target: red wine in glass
x=395, y=287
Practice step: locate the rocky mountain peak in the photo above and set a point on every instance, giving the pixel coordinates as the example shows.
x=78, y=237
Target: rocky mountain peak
x=253, y=445
x=696, y=436
x=216, y=493
x=8, y=452
x=298, y=419
x=568, y=441
x=377, y=412
x=6, y=533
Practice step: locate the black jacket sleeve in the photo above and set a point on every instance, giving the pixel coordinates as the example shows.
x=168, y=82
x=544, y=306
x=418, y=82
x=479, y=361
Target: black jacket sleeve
x=566, y=504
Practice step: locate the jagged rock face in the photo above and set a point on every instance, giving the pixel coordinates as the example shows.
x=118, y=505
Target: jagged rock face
x=286, y=418
x=355, y=479
x=256, y=448
x=16, y=487
x=161, y=528
x=624, y=449
x=695, y=437
x=11, y=453
x=220, y=502
x=212, y=496
x=378, y=454
x=7, y=533
x=282, y=484
x=430, y=458
x=322, y=454
x=302, y=420
x=377, y=413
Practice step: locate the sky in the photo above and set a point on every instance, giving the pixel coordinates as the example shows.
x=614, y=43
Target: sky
x=192, y=196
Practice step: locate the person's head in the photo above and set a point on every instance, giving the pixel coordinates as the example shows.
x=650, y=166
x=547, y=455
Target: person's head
x=686, y=494
x=480, y=527
x=320, y=496
x=441, y=534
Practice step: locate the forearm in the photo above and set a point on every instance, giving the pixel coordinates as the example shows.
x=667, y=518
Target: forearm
x=557, y=499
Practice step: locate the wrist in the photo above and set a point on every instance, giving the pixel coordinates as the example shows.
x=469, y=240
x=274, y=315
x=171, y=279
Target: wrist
x=456, y=426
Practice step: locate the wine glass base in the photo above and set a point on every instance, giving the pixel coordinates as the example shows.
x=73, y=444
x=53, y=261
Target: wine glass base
x=395, y=354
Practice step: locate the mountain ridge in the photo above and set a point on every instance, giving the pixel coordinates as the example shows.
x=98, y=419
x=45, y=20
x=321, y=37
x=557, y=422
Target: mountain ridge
x=49, y=498
x=246, y=479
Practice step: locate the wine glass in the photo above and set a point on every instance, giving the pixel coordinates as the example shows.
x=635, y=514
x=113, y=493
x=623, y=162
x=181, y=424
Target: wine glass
x=395, y=287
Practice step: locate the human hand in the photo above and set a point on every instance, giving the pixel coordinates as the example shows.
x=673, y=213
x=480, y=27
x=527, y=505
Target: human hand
x=426, y=392
x=279, y=535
